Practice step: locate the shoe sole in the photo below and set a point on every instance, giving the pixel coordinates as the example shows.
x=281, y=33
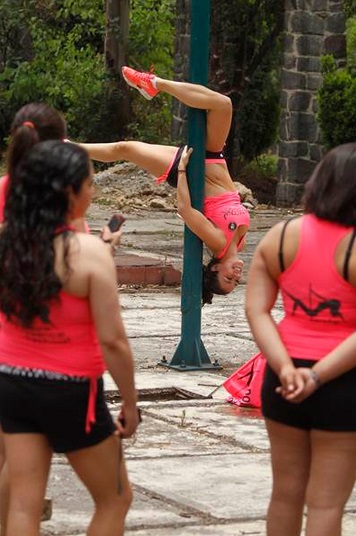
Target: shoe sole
x=140, y=90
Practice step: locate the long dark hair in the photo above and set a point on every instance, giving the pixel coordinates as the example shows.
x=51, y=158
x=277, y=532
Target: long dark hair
x=37, y=207
x=211, y=284
x=33, y=123
x=330, y=193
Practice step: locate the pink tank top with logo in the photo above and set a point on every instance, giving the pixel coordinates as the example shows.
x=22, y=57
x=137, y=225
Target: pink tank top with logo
x=319, y=305
x=226, y=212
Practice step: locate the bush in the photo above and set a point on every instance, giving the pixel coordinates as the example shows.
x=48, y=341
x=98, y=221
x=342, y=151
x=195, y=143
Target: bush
x=337, y=105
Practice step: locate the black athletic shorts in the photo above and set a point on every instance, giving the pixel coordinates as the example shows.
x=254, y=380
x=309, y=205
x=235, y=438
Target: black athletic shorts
x=54, y=408
x=331, y=407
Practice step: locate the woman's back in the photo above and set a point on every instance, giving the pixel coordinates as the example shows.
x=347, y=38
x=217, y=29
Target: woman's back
x=68, y=342
x=319, y=304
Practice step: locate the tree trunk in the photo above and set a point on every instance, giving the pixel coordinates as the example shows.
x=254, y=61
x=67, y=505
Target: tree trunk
x=116, y=44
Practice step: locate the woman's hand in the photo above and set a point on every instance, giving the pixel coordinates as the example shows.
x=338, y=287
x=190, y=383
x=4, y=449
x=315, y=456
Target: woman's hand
x=184, y=159
x=310, y=385
x=113, y=239
x=292, y=382
x=128, y=420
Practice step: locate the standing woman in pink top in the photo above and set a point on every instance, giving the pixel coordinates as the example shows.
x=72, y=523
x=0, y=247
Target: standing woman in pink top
x=33, y=123
x=309, y=389
x=60, y=328
x=225, y=221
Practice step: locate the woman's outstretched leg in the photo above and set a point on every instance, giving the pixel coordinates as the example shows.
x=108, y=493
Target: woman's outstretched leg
x=218, y=106
x=152, y=158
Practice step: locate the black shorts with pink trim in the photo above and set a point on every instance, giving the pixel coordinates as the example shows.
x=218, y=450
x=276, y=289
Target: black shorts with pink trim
x=171, y=173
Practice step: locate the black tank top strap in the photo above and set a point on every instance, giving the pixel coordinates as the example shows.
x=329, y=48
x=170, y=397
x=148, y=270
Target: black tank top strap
x=281, y=242
x=345, y=270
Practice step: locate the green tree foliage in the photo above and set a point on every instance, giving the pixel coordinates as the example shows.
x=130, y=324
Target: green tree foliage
x=152, y=44
x=337, y=95
x=65, y=67
x=349, y=8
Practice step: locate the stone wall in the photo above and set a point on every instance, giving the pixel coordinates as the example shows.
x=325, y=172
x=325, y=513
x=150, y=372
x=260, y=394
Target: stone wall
x=312, y=28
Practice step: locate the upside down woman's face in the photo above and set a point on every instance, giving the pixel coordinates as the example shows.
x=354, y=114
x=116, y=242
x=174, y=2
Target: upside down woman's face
x=229, y=273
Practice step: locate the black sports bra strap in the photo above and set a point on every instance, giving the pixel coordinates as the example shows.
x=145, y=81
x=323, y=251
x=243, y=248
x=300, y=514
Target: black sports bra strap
x=280, y=252
x=345, y=271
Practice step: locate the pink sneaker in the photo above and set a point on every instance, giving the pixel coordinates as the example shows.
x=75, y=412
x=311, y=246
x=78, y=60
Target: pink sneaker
x=143, y=82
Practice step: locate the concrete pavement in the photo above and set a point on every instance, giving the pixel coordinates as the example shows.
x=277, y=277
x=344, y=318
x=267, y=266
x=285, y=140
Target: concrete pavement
x=198, y=465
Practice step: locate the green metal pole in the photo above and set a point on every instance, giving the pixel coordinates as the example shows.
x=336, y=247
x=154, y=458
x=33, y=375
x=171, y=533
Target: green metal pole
x=190, y=353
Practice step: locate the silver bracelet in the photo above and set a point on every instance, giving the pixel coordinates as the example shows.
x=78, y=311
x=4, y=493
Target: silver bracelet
x=315, y=377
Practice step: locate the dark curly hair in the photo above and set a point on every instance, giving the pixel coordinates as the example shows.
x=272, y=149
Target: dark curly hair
x=211, y=284
x=37, y=205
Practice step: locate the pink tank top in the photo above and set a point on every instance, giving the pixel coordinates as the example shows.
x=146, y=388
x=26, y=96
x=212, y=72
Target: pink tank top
x=226, y=212
x=4, y=181
x=319, y=305
x=68, y=345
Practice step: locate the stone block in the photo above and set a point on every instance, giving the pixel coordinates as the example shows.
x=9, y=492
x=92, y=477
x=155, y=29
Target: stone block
x=293, y=80
x=303, y=127
x=299, y=101
x=293, y=149
x=305, y=22
x=336, y=6
x=300, y=169
x=309, y=64
x=335, y=23
x=310, y=45
x=289, y=61
x=289, y=194
x=319, y=5
x=314, y=81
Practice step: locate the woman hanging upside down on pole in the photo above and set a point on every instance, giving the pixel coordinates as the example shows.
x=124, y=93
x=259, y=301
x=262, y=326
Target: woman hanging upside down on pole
x=224, y=222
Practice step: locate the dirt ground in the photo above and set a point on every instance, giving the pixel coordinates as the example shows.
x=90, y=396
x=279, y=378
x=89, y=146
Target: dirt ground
x=128, y=188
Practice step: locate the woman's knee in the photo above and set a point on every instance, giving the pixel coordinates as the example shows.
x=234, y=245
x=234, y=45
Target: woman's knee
x=225, y=104
x=116, y=505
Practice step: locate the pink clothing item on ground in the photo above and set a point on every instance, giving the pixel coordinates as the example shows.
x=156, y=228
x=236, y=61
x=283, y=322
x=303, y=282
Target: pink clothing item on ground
x=244, y=385
x=319, y=305
x=227, y=213
x=4, y=182
x=68, y=345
